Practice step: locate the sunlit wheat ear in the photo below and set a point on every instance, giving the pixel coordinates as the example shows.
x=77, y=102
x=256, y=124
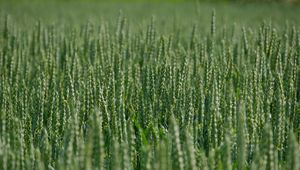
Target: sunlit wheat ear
x=213, y=24
x=227, y=153
x=190, y=151
x=293, y=150
x=178, y=147
x=241, y=135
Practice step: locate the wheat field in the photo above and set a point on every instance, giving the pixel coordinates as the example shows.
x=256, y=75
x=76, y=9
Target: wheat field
x=149, y=88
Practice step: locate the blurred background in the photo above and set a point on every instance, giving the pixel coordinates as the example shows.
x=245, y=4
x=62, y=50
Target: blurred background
x=167, y=13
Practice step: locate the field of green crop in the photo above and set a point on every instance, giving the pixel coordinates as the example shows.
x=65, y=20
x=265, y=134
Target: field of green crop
x=156, y=86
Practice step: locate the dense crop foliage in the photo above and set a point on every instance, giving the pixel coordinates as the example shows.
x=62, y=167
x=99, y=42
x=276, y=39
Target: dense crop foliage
x=108, y=97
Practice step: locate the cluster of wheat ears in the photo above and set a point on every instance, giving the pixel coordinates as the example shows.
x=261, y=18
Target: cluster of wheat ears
x=107, y=97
